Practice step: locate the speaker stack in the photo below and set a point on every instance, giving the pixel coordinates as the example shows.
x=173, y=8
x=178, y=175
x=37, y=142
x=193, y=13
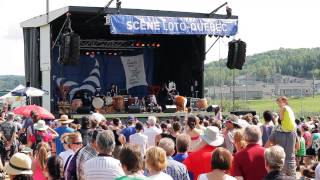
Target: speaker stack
x=236, y=54
x=69, y=50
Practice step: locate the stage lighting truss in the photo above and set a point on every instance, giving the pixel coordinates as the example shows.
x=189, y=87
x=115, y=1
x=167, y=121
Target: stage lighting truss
x=100, y=45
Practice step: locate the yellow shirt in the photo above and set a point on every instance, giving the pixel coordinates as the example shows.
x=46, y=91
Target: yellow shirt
x=288, y=121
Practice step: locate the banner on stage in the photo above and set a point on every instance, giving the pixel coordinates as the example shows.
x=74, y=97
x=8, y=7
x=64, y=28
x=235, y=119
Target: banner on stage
x=128, y=24
x=134, y=70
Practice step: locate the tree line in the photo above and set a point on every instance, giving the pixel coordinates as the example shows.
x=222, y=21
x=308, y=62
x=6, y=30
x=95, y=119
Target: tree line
x=302, y=63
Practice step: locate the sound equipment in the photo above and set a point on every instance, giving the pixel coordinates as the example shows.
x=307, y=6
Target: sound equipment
x=84, y=110
x=236, y=54
x=69, y=50
x=237, y=113
x=170, y=109
x=134, y=109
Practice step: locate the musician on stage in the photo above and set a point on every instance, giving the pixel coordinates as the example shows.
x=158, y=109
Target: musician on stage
x=113, y=90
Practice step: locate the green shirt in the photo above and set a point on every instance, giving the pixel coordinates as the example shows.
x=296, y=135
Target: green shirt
x=302, y=151
x=131, y=178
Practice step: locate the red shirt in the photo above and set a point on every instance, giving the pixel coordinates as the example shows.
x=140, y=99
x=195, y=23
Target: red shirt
x=199, y=162
x=46, y=137
x=249, y=163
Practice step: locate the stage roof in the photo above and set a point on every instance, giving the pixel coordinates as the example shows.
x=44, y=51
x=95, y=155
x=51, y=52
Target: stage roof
x=98, y=11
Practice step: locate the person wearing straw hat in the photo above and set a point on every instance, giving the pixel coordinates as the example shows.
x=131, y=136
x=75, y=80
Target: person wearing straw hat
x=42, y=133
x=199, y=161
x=19, y=167
x=64, y=128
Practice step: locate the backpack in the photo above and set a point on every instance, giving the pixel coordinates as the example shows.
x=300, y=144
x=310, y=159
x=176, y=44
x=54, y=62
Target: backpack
x=71, y=170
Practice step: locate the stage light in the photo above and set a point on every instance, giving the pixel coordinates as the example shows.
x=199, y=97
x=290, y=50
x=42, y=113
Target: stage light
x=87, y=53
x=142, y=45
x=110, y=53
x=138, y=44
x=115, y=54
x=153, y=44
x=98, y=52
x=148, y=45
x=158, y=45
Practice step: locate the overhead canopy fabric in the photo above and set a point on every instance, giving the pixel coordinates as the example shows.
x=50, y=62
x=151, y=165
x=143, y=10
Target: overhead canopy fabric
x=129, y=24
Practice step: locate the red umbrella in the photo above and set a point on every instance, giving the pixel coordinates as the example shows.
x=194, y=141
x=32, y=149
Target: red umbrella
x=25, y=111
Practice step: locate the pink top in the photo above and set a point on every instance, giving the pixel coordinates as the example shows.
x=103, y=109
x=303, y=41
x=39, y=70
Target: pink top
x=38, y=174
x=47, y=137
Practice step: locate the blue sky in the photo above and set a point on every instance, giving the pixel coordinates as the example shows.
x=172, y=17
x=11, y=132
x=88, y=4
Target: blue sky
x=263, y=24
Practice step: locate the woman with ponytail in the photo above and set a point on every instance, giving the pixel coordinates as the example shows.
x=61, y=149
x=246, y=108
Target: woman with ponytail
x=42, y=153
x=193, y=132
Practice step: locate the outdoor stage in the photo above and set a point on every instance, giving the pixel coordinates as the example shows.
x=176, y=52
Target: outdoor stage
x=135, y=49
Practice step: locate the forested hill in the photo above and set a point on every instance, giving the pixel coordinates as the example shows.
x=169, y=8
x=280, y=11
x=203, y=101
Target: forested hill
x=8, y=82
x=293, y=62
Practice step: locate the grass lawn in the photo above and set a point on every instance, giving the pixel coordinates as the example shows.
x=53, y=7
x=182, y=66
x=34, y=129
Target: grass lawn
x=302, y=106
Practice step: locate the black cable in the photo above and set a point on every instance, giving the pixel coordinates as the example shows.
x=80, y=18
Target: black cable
x=62, y=28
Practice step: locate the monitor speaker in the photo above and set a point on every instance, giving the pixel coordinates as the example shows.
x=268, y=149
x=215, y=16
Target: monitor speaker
x=134, y=109
x=237, y=113
x=170, y=109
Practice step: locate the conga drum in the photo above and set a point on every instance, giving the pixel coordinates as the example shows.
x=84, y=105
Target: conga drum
x=181, y=103
x=202, y=104
x=97, y=102
x=75, y=104
x=118, y=103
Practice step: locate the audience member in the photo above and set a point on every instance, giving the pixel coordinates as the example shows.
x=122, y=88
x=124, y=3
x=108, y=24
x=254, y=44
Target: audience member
x=139, y=138
x=152, y=131
x=19, y=167
x=250, y=158
x=174, y=168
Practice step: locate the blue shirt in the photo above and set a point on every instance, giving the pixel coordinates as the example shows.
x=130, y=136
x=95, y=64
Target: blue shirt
x=128, y=131
x=180, y=157
x=176, y=169
x=61, y=130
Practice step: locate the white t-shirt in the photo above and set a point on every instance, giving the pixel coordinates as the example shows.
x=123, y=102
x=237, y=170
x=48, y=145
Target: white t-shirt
x=160, y=176
x=225, y=177
x=141, y=140
x=102, y=167
x=152, y=132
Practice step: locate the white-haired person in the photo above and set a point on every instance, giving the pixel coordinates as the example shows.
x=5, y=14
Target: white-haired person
x=274, y=162
x=152, y=131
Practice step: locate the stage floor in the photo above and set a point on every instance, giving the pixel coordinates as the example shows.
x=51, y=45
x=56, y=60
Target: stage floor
x=144, y=115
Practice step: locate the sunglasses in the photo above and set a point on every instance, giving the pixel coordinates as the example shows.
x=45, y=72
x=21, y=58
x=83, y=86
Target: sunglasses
x=78, y=143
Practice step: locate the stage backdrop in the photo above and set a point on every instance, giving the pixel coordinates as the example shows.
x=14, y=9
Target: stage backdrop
x=132, y=72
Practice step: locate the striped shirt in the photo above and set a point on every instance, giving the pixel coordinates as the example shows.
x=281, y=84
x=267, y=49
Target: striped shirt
x=101, y=168
x=84, y=155
x=176, y=169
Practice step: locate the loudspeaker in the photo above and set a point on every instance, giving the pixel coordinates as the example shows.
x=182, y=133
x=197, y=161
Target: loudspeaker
x=236, y=54
x=170, y=109
x=69, y=50
x=134, y=109
x=237, y=113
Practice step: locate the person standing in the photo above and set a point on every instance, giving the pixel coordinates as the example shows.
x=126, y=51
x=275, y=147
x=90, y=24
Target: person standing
x=274, y=157
x=130, y=129
x=95, y=168
x=152, y=131
x=250, y=158
x=139, y=139
x=286, y=115
x=199, y=161
x=64, y=128
x=174, y=168
x=8, y=134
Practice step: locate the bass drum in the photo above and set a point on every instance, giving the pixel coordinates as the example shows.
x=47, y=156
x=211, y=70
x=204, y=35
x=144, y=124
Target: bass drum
x=97, y=102
x=202, y=104
x=108, y=100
